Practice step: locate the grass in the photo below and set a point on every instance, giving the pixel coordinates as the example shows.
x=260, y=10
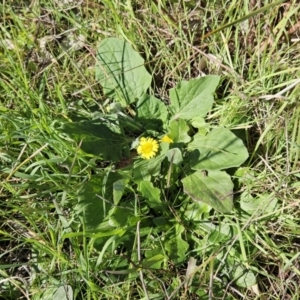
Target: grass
x=45, y=248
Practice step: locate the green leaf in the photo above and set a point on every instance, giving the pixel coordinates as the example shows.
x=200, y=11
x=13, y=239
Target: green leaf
x=119, y=217
x=178, y=131
x=219, y=149
x=98, y=138
x=140, y=171
x=193, y=98
x=95, y=288
x=113, y=185
x=245, y=176
x=262, y=204
x=118, y=190
x=197, y=211
x=121, y=71
x=220, y=233
x=64, y=292
x=244, y=277
x=201, y=125
x=151, y=194
x=151, y=112
x=175, y=246
x=90, y=207
x=143, y=169
x=155, y=255
x=215, y=189
x=153, y=262
x=174, y=156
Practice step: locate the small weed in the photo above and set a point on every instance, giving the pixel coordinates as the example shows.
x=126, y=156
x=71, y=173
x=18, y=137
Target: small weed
x=149, y=150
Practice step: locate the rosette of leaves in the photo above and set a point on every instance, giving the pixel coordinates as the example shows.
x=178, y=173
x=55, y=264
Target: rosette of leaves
x=194, y=166
x=199, y=154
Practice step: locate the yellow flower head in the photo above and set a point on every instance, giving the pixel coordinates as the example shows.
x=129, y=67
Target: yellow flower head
x=166, y=139
x=147, y=147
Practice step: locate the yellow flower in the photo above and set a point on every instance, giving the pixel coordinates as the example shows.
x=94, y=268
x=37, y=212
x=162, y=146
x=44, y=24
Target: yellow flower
x=166, y=139
x=147, y=147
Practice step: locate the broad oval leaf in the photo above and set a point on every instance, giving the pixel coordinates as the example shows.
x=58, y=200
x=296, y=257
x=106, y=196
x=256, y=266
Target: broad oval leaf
x=90, y=207
x=121, y=71
x=219, y=149
x=175, y=246
x=193, y=98
x=151, y=111
x=98, y=138
x=174, y=156
x=96, y=198
x=244, y=277
x=178, y=131
x=215, y=189
x=64, y=292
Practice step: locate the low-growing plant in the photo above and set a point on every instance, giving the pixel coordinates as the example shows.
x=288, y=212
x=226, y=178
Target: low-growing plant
x=163, y=171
